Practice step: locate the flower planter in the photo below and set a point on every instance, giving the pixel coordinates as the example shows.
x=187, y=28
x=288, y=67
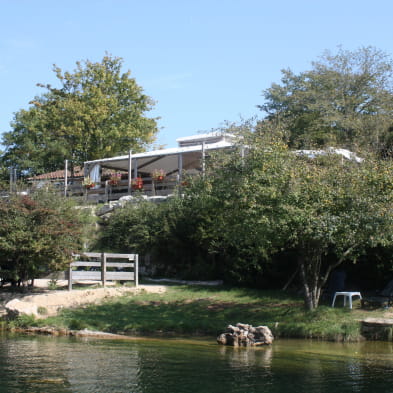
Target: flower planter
x=137, y=183
x=158, y=175
x=88, y=183
x=114, y=180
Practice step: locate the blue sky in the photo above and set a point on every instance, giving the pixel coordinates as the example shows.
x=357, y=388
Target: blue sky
x=203, y=62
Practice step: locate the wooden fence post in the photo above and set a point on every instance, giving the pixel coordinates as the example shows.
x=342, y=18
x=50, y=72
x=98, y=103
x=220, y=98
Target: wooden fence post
x=103, y=269
x=65, y=177
x=136, y=270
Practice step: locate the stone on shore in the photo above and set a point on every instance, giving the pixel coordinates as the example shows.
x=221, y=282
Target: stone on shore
x=245, y=335
x=16, y=307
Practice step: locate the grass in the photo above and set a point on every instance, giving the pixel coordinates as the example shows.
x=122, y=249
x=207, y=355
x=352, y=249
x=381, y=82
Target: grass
x=198, y=310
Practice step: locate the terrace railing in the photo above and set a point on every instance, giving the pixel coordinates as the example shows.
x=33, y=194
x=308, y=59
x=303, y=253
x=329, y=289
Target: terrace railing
x=106, y=192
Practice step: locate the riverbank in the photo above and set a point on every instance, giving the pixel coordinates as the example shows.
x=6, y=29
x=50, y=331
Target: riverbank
x=201, y=310
x=51, y=302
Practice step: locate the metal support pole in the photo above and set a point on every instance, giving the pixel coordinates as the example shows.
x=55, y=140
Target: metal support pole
x=180, y=168
x=65, y=177
x=106, y=191
x=11, y=179
x=129, y=171
x=203, y=159
x=14, y=180
x=135, y=167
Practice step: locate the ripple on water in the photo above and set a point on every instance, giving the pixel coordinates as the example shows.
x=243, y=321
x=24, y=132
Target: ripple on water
x=48, y=364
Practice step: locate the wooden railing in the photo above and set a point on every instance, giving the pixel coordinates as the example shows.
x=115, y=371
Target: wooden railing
x=103, y=267
x=107, y=192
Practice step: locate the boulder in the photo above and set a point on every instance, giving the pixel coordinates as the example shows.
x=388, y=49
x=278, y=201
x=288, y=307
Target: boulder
x=245, y=335
x=17, y=307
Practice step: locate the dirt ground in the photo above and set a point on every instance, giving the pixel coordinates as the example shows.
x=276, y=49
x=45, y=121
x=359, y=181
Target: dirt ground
x=54, y=300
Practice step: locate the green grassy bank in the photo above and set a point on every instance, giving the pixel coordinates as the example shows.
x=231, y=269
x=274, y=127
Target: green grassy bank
x=197, y=310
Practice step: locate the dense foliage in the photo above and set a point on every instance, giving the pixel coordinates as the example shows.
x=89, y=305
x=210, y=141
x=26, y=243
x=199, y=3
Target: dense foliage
x=325, y=210
x=98, y=111
x=38, y=235
x=257, y=203
x=175, y=236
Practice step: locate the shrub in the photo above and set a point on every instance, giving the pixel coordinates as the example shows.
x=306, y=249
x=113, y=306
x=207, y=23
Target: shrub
x=38, y=234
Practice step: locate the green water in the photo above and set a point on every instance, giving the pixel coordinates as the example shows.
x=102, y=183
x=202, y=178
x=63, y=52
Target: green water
x=47, y=364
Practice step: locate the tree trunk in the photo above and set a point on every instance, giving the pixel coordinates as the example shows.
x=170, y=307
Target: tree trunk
x=309, y=275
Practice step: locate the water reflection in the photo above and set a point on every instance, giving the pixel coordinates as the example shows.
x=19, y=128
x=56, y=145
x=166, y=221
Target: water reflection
x=93, y=368
x=46, y=364
x=28, y=366
x=247, y=357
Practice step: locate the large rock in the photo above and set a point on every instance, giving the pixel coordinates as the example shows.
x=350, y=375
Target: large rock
x=245, y=335
x=17, y=307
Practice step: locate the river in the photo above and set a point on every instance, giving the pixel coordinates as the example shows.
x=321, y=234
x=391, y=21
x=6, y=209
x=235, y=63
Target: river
x=50, y=364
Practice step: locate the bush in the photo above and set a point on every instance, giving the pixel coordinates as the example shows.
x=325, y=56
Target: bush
x=174, y=234
x=38, y=235
x=23, y=321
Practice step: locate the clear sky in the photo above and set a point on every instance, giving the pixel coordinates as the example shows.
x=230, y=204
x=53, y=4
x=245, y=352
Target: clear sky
x=204, y=62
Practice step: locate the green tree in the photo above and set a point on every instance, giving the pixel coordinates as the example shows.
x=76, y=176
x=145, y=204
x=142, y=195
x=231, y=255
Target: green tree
x=38, y=234
x=30, y=147
x=345, y=100
x=325, y=210
x=98, y=111
x=336, y=210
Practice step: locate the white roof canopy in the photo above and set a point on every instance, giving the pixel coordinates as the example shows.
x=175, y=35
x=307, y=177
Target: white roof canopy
x=331, y=150
x=166, y=159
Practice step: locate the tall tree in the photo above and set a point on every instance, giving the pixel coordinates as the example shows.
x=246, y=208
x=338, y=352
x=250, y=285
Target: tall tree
x=346, y=100
x=325, y=210
x=97, y=111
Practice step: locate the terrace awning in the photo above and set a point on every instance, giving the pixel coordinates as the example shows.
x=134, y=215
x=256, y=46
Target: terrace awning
x=166, y=159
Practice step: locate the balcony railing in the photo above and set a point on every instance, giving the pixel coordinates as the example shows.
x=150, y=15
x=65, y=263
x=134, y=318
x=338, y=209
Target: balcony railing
x=105, y=191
